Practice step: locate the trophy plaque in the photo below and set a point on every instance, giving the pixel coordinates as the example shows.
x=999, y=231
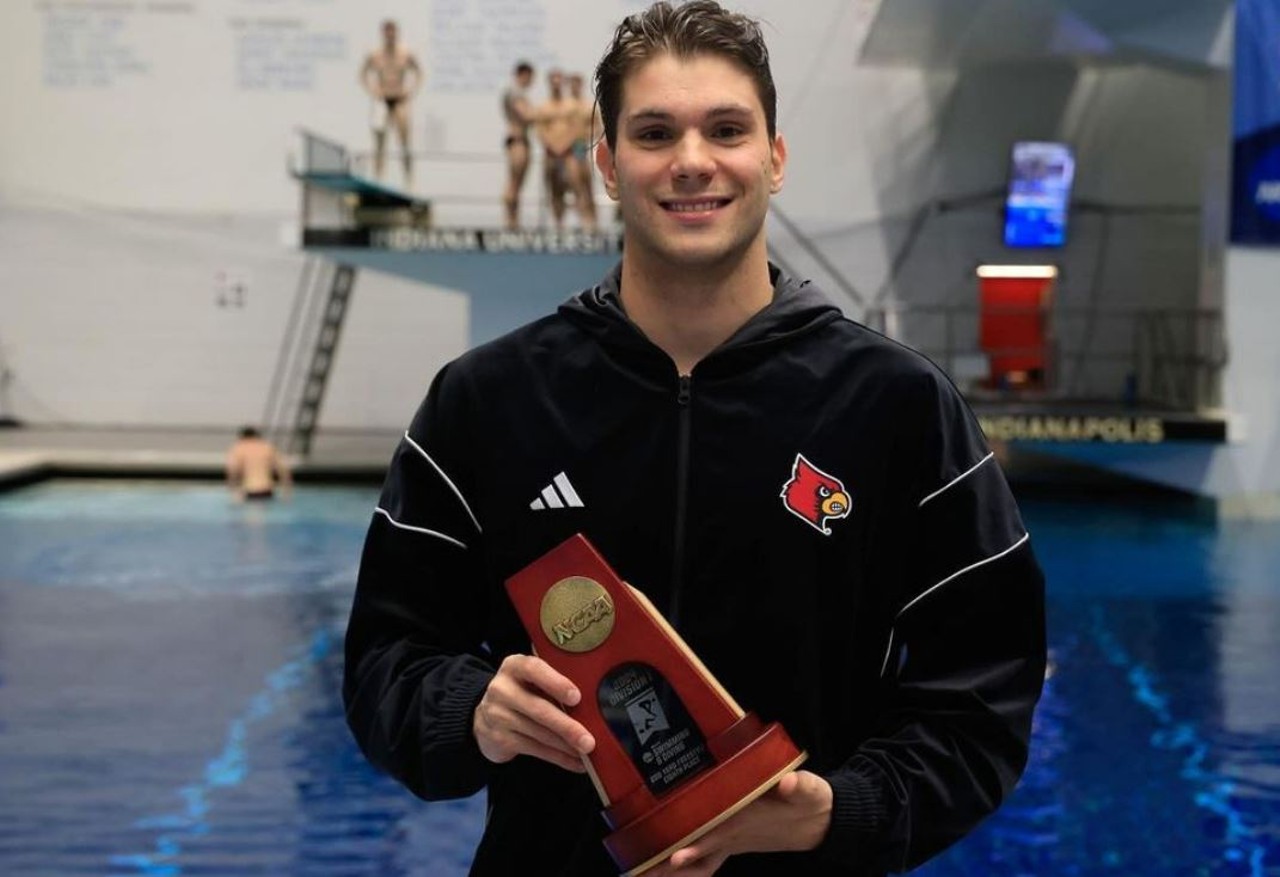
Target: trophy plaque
x=675, y=755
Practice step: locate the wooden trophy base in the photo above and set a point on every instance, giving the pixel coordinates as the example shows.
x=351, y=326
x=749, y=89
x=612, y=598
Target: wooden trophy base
x=752, y=757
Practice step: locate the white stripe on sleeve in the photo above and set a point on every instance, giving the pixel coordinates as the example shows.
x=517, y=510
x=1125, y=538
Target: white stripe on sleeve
x=386, y=514
x=954, y=481
x=456, y=492
x=958, y=573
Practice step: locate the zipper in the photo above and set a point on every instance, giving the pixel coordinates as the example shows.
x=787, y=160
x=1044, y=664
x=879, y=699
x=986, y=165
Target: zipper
x=682, y=496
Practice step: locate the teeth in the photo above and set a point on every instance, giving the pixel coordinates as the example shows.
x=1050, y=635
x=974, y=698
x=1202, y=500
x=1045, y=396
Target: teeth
x=698, y=207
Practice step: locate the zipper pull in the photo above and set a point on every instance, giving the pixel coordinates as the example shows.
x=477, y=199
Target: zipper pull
x=682, y=397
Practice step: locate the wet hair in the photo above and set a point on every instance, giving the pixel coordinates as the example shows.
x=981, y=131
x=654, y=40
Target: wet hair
x=248, y=432
x=523, y=67
x=699, y=27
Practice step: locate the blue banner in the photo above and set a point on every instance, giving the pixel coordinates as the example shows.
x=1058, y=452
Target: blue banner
x=1255, y=183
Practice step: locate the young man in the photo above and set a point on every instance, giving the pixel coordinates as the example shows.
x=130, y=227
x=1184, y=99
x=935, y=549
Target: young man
x=811, y=506
x=254, y=467
x=391, y=75
x=585, y=118
x=556, y=123
x=518, y=115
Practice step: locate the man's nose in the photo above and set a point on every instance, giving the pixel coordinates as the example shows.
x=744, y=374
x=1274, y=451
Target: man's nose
x=692, y=158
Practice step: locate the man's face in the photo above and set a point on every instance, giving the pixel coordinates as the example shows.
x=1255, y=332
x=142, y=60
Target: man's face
x=524, y=78
x=389, y=34
x=693, y=166
x=575, y=86
x=555, y=79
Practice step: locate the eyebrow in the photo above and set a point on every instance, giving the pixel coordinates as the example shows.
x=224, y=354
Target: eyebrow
x=657, y=115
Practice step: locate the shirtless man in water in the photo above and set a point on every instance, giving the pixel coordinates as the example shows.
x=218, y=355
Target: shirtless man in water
x=557, y=126
x=392, y=77
x=518, y=113
x=254, y=466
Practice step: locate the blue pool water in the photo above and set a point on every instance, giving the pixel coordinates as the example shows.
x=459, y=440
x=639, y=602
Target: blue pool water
x=170, y=665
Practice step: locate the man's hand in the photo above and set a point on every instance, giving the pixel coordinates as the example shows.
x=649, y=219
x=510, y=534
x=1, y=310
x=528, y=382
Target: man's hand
x=521, y=714
x=793, y=815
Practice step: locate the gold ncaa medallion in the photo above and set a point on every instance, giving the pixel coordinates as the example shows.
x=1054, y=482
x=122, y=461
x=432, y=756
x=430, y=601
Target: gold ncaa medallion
x=577, y=614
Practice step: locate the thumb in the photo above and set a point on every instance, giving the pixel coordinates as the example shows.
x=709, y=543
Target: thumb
x=788, y=786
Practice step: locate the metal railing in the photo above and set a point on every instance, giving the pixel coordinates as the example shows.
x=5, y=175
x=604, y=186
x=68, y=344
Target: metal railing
x=1167, y=357
x=467, y=185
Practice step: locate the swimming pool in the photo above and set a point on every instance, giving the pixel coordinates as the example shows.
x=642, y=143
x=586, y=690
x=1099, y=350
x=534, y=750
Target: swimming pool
x=170, y=666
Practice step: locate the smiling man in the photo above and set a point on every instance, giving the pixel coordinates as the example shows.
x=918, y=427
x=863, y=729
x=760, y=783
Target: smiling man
x=810, y=505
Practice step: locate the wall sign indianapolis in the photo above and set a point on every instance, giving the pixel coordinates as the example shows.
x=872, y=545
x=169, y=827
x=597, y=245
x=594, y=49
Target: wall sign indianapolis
x=1145, y=429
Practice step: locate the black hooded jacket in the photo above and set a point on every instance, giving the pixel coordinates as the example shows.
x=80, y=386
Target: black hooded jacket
x=900, y=641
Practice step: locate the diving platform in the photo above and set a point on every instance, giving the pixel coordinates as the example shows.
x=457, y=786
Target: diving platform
x=347, y=182
x=350, y=222
x=509, y=276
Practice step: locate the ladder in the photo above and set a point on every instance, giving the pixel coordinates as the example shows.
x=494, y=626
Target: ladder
x=307, y=354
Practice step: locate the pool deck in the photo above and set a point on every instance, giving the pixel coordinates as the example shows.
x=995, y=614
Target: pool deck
x=33, y=453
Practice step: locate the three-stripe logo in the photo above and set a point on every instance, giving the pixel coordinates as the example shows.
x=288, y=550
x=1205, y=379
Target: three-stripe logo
x=558, y=494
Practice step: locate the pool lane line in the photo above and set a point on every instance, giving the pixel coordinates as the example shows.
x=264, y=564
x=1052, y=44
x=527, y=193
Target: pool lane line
x=226, y=770
x=1215, y=794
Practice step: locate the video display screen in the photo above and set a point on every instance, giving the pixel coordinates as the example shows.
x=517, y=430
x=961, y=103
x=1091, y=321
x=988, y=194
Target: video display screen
x=1039, y=189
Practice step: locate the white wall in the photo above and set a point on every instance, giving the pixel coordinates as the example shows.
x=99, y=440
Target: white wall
x=1250, y=470
x=114, y=318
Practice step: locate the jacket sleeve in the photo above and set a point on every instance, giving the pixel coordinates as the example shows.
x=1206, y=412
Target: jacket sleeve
x=965, y=659
x=416, y=664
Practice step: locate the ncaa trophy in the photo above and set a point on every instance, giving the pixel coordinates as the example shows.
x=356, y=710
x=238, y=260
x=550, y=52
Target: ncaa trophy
x=675, y=755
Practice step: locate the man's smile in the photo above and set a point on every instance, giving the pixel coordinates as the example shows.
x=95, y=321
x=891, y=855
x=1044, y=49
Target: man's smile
x=694, y=206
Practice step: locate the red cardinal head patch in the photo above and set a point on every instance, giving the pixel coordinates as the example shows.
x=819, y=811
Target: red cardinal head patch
x=814, y=496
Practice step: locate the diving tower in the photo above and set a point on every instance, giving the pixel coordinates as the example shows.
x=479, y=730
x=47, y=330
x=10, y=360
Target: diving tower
x=350, y=222
x=509, y=276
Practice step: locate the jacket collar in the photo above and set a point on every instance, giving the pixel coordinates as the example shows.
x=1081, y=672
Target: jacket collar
x=798, y=308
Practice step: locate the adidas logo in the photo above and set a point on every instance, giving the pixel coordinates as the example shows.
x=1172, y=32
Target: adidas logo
x=557, y=495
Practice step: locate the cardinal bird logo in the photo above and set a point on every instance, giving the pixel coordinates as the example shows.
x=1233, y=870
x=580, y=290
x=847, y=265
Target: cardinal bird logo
x=814, y=496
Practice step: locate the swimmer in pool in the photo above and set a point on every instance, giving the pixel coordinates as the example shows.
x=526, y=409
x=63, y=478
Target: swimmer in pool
x=255, y=468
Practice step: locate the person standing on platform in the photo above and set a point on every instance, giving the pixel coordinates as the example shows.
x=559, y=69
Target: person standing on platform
x=392, y=77
x=556, y=123
x=812, y=506
x=517, y=111
x=586, y=121
x=255, y=468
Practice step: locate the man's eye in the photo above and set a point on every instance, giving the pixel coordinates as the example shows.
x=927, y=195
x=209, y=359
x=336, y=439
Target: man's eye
x=653, y=134
x=724, y=132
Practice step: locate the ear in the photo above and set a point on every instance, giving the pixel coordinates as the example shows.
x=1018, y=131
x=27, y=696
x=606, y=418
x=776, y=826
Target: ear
x=608, y=169
x=778, y=160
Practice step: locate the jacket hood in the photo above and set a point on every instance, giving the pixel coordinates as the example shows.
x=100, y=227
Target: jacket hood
x=798, y=307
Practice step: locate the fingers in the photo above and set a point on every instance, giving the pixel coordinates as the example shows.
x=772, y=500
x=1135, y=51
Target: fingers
x=787, y=786
x=536, y=675
x=793, y=815
x=683, y=864
x=696, y=857
x=517, y=723
x=551, y=753
x=521, y=714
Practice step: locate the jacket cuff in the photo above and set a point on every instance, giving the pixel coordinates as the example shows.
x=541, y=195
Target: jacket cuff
x=859, y=814
x=453, y=736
